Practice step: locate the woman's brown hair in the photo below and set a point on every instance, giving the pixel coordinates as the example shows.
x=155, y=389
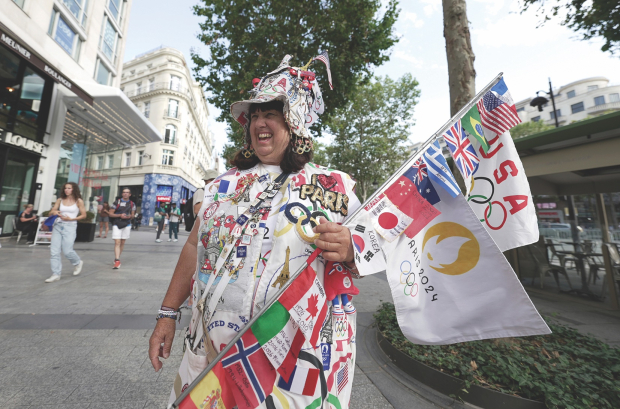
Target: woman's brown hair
x=75, y=193
x=291, y=162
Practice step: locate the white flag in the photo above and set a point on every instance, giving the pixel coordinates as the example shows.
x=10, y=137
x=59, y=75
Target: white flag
x=500, y=195
x=450, y=282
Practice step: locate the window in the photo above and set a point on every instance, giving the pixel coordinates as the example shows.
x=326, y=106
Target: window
x=108, y=41
x=599, y=100
x=115, y=8
x=147, y=109
x=173, y=108
x=78, y=9
x=138, y=88
x=20, y=3
x=578, y=107
x=570, y=94
x=152, y=84
x=175, y=83
x=592, y=87
x=552, y=114
x=127, y=158
x=102, y=74
x=171, y=134
x=110, y=162
x=167, y=157
x=614, y=97
x=99, y=162
x=64, y=35
x=521, y=109
x=536, y=118
x=140, y=157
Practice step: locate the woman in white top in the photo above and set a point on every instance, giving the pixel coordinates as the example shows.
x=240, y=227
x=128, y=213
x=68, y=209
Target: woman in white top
x=69, y=209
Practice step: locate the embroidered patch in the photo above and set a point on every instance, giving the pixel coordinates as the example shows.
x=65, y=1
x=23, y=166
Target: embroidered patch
x=242, y=251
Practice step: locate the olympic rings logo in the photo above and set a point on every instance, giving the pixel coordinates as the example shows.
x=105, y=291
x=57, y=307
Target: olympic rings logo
x=411, y=287
x=488, y=201
x=341, y=326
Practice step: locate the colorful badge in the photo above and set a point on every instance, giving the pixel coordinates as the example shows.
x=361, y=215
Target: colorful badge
x=242, y=251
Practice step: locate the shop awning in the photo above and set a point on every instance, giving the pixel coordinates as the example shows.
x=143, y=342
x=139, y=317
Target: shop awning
x=114, y=114
x=580, y=158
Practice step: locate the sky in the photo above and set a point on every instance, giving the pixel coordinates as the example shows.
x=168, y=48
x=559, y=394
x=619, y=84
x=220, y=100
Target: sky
x=503, y=40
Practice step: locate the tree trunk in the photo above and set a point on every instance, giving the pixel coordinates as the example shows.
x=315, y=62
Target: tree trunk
x=460, y=55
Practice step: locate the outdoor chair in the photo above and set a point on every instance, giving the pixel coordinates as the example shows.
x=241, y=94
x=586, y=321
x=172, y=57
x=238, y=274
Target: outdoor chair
x=535, y=265
x=615, y=266
x=15, y=230
x=562, y=258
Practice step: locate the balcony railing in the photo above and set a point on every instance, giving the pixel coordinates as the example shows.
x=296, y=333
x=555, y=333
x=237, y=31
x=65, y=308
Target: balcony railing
x=172, y=114
x=162, y=86
x=604, y=107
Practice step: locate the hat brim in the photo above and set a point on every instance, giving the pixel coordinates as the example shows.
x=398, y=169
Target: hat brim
x=240, y=109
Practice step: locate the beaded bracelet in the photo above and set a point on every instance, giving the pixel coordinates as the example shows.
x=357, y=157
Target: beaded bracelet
x=168, y=313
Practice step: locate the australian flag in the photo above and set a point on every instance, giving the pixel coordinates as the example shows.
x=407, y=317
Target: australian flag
x=418, y=174
x=461, y=149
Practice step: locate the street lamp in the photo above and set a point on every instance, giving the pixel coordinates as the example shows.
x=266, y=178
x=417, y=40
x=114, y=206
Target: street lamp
x=539, y=101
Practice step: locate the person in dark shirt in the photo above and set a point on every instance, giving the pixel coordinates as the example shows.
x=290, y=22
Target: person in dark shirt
x=27, y=223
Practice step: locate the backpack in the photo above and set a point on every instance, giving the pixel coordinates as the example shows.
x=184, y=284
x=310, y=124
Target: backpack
x=188, y=214
x=117, y=221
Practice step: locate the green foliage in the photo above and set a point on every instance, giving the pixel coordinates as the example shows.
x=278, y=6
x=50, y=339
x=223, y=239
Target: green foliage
x=529, y=128
x=371, y=130
x=564, y=369
x=593, y=19
x=248, y=39
x=89, y=218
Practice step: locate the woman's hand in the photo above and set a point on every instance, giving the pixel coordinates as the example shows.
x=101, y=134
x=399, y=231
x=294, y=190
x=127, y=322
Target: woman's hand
x=65, y=218
x=162, y=334
x=335, y=241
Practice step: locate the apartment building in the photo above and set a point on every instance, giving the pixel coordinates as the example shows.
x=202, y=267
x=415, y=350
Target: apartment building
x=60, y=105
x=161, y=86
x=575, y=101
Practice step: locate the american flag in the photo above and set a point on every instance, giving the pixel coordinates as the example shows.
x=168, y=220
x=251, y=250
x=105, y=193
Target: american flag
x=497, y=113
x=342, y=378
x=462, y=150
x=325, y=58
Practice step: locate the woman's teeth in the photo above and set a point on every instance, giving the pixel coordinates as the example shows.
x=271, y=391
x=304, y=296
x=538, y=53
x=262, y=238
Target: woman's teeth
x=264, y=135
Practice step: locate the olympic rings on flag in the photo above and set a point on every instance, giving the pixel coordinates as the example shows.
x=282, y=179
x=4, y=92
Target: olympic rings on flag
x=404, y=274
x=341, y=326
x=503, y=221
x=486, y=200
x=411, y=287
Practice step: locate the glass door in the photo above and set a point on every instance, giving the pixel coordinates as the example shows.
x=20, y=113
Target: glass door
x=16, y=189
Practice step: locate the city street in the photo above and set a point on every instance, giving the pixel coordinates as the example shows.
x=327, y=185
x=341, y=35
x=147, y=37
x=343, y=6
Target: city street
x=82, y=342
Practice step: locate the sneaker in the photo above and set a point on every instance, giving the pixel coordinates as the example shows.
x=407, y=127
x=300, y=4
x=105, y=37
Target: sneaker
x=117, y=264
x=169, y=240
x=158, y=241
x=175, y=240
x=337, y=310
x=53, y=278
x=30, y=242
x=78, y=269
x=349, y=309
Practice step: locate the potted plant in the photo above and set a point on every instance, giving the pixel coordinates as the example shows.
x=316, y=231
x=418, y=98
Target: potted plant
x=86, y=228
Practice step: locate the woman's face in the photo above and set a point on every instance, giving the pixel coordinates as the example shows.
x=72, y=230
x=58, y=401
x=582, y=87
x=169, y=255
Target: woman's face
x=68, y=190
x=270, y=136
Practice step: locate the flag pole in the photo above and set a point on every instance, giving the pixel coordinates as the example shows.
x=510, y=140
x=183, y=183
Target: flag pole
x=316, y=252
x=430, y=140
x=243, y=330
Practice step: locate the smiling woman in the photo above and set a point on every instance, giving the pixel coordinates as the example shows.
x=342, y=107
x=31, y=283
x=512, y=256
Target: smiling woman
x=276, y=209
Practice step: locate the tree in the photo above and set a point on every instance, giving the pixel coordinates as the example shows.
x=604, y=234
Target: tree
x=529, y=128
x=461, y=72
x=371, y=130
x=591, y=18
x=247, y=39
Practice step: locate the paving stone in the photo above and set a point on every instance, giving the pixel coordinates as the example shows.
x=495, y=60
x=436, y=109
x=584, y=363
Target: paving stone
x=43, y=394
x=102, y=392
x=118, y=405
x=150, y=391
x=7, y=392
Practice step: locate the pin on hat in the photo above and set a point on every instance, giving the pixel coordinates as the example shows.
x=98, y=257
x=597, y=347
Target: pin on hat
x=298, y=90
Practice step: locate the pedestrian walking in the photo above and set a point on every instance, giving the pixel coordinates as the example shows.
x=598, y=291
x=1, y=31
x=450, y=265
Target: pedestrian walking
x=160, y=219
x=27, y=223
x=104, y=219
x=121, y=213
x=173, y=227
x=69, y=209
x=236, y=232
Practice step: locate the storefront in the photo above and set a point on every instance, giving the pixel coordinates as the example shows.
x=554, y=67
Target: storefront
x=26, y=87
x=163, y=190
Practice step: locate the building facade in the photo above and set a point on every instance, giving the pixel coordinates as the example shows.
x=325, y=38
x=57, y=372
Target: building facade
x=578, y=100
x=60, y=105
x=161, y=86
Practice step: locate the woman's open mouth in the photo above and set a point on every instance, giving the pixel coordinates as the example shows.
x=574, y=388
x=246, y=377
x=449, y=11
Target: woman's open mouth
x=264, y=136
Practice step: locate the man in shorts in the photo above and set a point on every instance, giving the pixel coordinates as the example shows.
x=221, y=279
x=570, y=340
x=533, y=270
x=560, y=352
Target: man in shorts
x=121, y=213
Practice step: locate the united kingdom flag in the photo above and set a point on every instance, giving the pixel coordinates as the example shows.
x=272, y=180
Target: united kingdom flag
x=419, y=171
x=462, y=150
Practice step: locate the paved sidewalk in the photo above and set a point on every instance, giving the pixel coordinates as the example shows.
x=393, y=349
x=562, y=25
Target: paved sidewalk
x=82, y=342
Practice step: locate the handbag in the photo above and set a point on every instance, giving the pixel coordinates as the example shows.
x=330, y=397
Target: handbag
x=157, y=217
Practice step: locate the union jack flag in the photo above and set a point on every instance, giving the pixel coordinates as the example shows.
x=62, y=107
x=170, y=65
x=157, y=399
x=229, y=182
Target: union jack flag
x=497, y=110
x=325, y=59
x=420, y=171
x=461, y=149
